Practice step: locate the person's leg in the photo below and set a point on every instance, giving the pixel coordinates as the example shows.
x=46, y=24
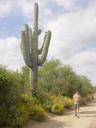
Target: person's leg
x=78, y=110
x=75, y=108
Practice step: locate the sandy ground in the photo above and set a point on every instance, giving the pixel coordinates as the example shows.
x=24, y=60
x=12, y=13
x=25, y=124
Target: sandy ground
x=68, y=120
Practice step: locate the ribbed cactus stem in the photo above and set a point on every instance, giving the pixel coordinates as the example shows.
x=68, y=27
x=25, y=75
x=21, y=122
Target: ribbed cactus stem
x=43, y=56
x=34, y=52
x=35, y=19
x=25, y=49
x=29, y=48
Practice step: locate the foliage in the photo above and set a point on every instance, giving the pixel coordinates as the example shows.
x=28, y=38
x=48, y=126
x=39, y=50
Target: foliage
x=53, y=103
x=57, y=108
x=19, y=116
x=86, y=99
x=24, y=78
x=57, y=84
x=68, y=103
x=12, y=112
x=59, y=79
x=43, y=99
x=48, y=75
x=37, y=113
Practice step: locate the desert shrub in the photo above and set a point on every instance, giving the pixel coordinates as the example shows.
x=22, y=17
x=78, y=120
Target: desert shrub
x=53, y=103
x=48, y=105
x=25, y=98
x=65, y=101
x=20, y=116
x=90, y=97
x=86, y=99
x=35, y=109
x=83, y=101
x=37, y=113
x=58, y=99
x=68, y=103
x=12, y=111
x=41, y=96
x=44, y=99
x=57, y=108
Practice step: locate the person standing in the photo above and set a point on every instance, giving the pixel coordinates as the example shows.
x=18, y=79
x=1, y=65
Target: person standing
x=76, y=99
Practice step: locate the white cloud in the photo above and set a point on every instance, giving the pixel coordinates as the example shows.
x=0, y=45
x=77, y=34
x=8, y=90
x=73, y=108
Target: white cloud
x=5, y=8
x=84, y=58
x=27, y=8
x=73, y=38
x=10, y=54
x=73, y=35
x=67, y=4
x=46, y=7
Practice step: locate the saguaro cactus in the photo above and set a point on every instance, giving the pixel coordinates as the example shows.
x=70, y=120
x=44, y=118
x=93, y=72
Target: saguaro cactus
x=33, y=56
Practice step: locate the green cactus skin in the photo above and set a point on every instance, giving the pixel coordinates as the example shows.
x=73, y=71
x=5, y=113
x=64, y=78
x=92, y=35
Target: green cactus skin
x=33, y=56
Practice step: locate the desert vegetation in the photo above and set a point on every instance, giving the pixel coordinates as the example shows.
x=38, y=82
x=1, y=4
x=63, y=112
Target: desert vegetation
x=56, y=85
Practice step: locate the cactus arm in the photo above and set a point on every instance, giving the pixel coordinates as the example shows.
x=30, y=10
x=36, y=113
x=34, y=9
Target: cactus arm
x=42, y=58
x=40, y=50
x=39, y=31
x=30, y=38
x=30, y=41
x=25, y=47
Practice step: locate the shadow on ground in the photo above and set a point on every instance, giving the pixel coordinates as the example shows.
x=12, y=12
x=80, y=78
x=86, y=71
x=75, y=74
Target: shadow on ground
x=52, y=124
x=88, y=112
x=89, y=116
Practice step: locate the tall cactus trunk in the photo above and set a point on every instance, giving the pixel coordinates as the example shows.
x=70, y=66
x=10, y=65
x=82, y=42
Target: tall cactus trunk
x=33, y=56
x=33, y=80
x=34, y=69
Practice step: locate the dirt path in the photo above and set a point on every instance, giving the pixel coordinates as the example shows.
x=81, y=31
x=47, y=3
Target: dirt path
x=87, y=119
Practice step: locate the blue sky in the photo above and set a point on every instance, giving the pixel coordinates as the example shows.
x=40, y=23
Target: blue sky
x=73, y=26
x=10, y=24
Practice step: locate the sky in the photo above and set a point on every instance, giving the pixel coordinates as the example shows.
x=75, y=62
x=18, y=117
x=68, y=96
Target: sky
x=73, y=26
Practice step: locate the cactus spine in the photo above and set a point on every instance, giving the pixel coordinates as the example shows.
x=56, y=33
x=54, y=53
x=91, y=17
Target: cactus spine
x=33, y=56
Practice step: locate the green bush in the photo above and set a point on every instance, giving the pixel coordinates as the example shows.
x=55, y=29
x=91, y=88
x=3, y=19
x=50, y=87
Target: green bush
x=90, y=97
x=13, y=112
x=48, y=105
x=68, y=103
x=44, y=99
x=57, y=108
x=86, y=99
x=50, y=102
x=83, y=101
x=20, y=116
x=37, y=113
x=26, y=98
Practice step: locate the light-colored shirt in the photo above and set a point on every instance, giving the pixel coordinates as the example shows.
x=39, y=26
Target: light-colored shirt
x=76, y=98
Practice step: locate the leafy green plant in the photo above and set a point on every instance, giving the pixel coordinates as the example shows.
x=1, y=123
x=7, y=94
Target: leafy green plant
x=57, y=108
x=37, y=113
x=20, y=115
x=13, y=111
x=68, y=103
